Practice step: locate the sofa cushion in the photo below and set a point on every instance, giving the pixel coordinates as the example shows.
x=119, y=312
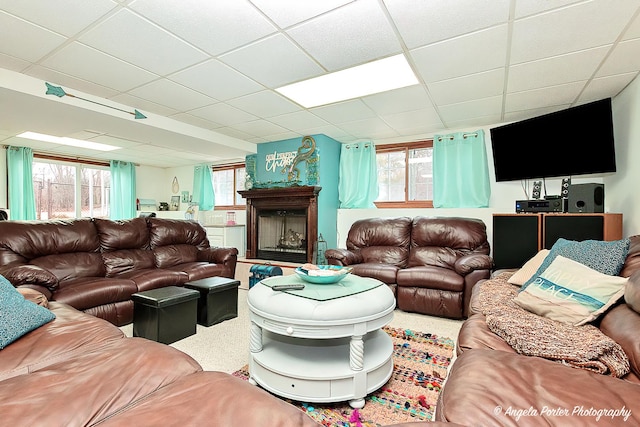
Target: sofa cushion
x=622, y=324
x=605, y=257
x=459, y=234
x=431, y=277
x=529, y=268
x=381, y=240
x=152, y=278
x=164, y=232
x=570, y=292
x=170, y=255
x=127, y=260
x=72, y=265
x=88, y=292
x=498, y=388
x=17, y=315
x=122, y=234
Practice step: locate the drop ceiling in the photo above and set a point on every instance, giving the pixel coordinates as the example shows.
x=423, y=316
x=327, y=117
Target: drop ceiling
x=203, y=72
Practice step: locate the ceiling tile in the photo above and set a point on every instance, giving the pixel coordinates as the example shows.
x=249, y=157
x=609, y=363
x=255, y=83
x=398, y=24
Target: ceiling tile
x=172, y=95
x=86, y=63
x=137, y=41
x=265, y=104
x=624, y=58
x=466, y=88
x=360, y=29
x=524, y=8
x=606, y=87
x=26, y=41
x=260, y=128
x=580, y=26
x=342, y=112
x=288, y=12
x=544, y=97
x=66, y=17
x=274, y=62
x=213, y=26
x=369, y=129
x=412, y=120
x=473, y=53
x=471, y=109
x=397, y=101
x=299, y=121
x=217, y=80
x=425, y=22
x=556, y=70
x=224, y=114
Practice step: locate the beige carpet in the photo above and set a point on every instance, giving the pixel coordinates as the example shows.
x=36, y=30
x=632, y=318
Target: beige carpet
x=225, y=346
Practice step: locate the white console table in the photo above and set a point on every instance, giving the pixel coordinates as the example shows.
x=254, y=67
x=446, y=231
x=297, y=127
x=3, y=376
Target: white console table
x=320, y=350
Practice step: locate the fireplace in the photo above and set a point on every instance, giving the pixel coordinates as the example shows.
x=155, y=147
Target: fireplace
x=282, y=223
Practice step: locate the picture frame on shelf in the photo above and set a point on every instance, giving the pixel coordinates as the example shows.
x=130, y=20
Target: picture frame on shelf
x=175, y=203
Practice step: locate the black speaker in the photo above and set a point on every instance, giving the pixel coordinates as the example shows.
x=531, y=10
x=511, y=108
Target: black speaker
x=515, y=239
x=537, y=189
x=586, y=198
x=564, y=190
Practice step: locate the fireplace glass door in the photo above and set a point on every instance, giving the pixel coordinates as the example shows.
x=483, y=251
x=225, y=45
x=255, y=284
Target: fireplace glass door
x=282, y=235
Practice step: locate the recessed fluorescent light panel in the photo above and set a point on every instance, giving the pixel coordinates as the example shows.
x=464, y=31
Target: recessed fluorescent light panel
x=374, y=77
x=68, y=141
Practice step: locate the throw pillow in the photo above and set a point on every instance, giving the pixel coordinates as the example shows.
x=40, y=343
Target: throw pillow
x=529, y=268
x=17, y=315
x=570, y=292
x=605, y=257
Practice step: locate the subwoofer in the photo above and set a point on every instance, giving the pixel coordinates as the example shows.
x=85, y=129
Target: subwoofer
x=586, y=198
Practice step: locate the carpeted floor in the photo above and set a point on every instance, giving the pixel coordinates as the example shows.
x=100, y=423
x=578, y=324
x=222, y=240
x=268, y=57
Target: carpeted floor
x=420, y=361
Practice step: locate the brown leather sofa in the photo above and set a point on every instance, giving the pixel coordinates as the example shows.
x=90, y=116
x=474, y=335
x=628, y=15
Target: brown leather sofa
x=95, y=265
x=431, y=263
x=79, y=370
x=490, y=384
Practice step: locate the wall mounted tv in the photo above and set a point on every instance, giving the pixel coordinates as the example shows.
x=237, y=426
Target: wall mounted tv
x=575, y=141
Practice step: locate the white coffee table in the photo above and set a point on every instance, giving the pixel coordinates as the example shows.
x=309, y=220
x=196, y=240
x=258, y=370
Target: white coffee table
x=321, y=351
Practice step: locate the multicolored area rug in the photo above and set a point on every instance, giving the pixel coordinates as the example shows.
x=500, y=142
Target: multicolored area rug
x=420, y=367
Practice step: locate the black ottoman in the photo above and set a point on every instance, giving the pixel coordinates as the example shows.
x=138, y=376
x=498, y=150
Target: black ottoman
x=165, y=314
x=218, y=299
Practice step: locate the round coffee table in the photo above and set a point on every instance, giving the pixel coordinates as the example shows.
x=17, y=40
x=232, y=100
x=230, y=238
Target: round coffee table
x=328, y=349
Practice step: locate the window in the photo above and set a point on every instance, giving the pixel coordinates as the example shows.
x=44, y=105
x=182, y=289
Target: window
x=405, y=175
x=227, y=181
x=70, y=190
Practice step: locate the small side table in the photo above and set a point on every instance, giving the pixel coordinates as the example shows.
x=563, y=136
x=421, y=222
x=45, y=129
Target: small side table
x=165, y=314
x=218, y=299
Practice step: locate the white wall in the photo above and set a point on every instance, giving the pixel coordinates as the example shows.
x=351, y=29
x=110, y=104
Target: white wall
x=621, y=187
x=4, y=203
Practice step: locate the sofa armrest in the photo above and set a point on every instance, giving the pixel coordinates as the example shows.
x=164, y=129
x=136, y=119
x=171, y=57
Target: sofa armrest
x=228, y=257
x=27, y=274
x=471, y=262
x=342, y=257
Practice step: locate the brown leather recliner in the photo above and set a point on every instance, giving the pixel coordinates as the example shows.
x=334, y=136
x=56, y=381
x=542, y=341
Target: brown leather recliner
x=431, y=263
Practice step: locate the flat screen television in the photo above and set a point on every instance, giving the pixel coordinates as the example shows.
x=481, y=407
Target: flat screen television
x=574, y=141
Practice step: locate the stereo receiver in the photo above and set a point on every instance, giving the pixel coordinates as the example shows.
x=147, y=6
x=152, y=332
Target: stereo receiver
x=551, y=205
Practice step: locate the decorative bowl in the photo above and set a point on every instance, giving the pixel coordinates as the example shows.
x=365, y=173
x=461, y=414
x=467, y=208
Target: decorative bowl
x=339, y=273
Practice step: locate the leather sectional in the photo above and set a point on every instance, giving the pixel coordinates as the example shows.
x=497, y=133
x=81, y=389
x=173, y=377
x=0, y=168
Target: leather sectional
x=431, y=263
x=95, y=265
x=490, y=384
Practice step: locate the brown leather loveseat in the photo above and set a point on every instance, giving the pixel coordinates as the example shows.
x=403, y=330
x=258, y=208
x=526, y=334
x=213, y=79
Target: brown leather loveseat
x=492, y=384
x=431, y=263
x=95, y=265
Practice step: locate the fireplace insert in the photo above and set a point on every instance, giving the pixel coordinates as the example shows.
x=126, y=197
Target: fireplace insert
x=282, y=235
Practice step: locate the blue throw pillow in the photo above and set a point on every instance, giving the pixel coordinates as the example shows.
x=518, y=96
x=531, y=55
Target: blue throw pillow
x=604, y=257
x=17, y=315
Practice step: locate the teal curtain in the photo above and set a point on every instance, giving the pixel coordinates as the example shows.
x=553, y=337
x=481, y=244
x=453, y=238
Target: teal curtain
x=460, y=171
x=203, y=193
x=358, y=180
x=22, y=202
x=123, y=190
